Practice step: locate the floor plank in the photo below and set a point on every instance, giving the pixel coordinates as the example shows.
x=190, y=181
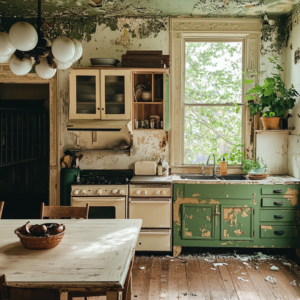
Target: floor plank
x=182, y=281
x=173, y=279
x=245, y=289
x=155, y=280
x=228, y=284
x=164, y=279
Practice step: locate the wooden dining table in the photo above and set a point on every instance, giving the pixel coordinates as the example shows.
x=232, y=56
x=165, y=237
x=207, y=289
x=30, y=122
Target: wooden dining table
x=94, y=258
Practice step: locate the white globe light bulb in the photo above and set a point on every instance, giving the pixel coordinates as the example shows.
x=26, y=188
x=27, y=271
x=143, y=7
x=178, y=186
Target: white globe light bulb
x=6, y=48
x=63, y=65
x=23, y=36
x=4, y=59
x=20, y=67
x=44, y=70
x=63, y=49
x=78, y=50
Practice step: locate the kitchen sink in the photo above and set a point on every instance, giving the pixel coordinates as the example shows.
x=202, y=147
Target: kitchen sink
x=234, y=177
x=206, y=177
x=200, y=177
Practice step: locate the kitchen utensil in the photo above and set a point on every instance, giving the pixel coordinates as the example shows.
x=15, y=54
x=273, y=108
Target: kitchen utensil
x=136, y=124
x=117, y=97
x=147, y=123
x=152, y=124
x=255, y=176
x=147, y=95
x=138, y=91
x=109, y=62
x=145, y=168
x=161, y=124
x=154, y=117
x=157, y=124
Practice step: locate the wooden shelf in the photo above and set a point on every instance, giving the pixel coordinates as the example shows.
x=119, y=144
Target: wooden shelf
x=288, y=132
x=148, y=102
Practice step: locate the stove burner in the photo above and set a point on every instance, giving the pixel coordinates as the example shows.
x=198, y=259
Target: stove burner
x=85, y=179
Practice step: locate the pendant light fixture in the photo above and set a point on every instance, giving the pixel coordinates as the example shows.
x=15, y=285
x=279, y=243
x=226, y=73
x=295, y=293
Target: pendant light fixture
x=25, y=46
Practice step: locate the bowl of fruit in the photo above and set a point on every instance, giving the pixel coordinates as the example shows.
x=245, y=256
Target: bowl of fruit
x=40, y=237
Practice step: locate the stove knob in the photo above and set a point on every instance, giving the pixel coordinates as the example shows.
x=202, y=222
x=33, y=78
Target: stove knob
x=163, y=192
x=114, y=191
x=76, y=192
x=83, y=192
x=157, y=192
x=99, y=192
x=122, y=192
x=137, y=192
x=145, y=192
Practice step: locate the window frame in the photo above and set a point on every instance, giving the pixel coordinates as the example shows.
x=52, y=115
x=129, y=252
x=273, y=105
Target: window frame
x=242, y=103
x=187, y=29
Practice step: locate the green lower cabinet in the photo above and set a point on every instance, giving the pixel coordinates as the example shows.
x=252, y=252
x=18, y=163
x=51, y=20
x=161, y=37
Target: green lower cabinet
x=258, y=216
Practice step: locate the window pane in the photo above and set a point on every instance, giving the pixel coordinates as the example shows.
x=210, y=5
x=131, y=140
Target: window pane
x=211, y=130
x=213, y=72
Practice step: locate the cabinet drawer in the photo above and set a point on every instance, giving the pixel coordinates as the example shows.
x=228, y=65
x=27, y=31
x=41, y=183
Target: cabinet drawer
x=279, y=231
x=279, y=190
x=155, y=212
x=278, y=202
x=154, y=240
x=279, y=215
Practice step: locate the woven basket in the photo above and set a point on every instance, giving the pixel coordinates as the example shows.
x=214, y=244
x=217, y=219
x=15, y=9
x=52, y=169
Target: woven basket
x=40, y=242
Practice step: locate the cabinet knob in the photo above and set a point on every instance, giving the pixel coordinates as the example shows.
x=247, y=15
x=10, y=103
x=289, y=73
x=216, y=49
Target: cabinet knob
x=278, y=216
x=278, y=191
x=279, y=232
x=98, y=108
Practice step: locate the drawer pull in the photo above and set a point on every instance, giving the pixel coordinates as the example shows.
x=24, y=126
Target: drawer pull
x=279, y=232
x=279, y=216
x=278, y=191
x=278, y=202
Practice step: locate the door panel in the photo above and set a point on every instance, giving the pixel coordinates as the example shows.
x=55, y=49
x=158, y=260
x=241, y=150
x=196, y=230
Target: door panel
x=236, y=222
x=197, y=222
x=115, y=94
x=279, y=202
x=84, y=94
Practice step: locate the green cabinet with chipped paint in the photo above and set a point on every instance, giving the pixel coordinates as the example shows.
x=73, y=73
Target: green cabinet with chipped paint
x=233, y=215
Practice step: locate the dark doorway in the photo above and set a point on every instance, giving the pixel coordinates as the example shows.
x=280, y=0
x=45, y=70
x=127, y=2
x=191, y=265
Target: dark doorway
x=24, y=149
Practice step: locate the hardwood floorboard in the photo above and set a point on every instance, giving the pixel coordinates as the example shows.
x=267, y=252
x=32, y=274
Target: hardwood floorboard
x=214, y=286
x=155, y=280
x=182, y=281
x=164, y=279
x=245, y=289
x=173, y=279
x=228, y=284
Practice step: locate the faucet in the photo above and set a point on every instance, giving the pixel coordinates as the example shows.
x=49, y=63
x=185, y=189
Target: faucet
x=214, y=168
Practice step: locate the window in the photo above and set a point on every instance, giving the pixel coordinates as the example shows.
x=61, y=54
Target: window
x=208, y=114
x=213, y=103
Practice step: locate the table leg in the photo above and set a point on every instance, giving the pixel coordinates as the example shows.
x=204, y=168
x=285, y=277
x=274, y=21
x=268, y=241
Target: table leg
x=114, y=295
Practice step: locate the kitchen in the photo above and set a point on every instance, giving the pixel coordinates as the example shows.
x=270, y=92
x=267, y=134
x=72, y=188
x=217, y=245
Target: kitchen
x=167, y=204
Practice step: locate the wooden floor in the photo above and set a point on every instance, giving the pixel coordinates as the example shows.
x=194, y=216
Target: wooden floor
x=193, y=277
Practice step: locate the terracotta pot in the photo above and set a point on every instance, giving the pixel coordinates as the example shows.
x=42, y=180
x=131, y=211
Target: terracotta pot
x=270, y=123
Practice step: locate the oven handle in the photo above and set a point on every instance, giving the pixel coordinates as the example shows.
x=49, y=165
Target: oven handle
x=148, y=202
x=156, y=232
x=98, y=199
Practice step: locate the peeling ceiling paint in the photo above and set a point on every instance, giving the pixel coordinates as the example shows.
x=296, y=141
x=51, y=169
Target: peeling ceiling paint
x=144, y=8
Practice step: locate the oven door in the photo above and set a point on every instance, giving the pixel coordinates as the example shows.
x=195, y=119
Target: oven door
x=103, y=207
x=155, y=212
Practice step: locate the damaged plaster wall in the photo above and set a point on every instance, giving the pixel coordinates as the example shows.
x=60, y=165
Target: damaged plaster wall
x=293, y=77
x=130, y=35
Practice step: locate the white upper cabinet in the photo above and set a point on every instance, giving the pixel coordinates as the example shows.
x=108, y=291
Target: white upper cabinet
x=100, y=94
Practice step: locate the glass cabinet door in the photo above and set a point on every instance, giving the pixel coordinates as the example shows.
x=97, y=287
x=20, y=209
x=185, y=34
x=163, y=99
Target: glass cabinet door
x=115, y=94
x=84, y=94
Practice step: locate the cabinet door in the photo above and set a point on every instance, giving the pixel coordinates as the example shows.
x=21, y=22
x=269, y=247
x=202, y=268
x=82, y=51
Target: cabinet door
x=85, y=94
x=236, y=222
x=197, y=222
x=115, y=94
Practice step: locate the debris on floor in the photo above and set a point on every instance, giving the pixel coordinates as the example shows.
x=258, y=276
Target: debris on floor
x=246, y=264
x=183, y=261
x=294, y=283
x=242, y=279
x=192, y=294
x=220, y=264
x=142, y=268
x=208, y=260
x=274, y=268
x=213, y=269
x=244, y=273
x=256, y=267
x=271, y=279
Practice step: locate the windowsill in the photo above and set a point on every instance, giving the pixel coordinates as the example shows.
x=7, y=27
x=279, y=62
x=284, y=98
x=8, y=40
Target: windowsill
x=197, y=169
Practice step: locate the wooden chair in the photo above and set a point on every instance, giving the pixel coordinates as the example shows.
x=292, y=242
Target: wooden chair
x=1, y=208
x=58, y=212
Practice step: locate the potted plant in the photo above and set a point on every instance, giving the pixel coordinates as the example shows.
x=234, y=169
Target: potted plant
x=252, y=166
x=275, y=97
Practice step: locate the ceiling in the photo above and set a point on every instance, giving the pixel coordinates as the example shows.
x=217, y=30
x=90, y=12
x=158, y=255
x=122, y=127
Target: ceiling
x=145, y=8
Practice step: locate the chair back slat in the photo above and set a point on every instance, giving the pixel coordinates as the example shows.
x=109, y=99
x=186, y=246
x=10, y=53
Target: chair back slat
x=1, y=208
x=58, y=212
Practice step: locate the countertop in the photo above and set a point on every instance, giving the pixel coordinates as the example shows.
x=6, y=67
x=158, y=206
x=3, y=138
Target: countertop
x=272, y=179
x=151, y=179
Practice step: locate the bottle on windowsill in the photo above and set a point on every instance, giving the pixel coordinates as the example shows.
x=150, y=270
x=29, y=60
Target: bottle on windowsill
x=223, y=167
